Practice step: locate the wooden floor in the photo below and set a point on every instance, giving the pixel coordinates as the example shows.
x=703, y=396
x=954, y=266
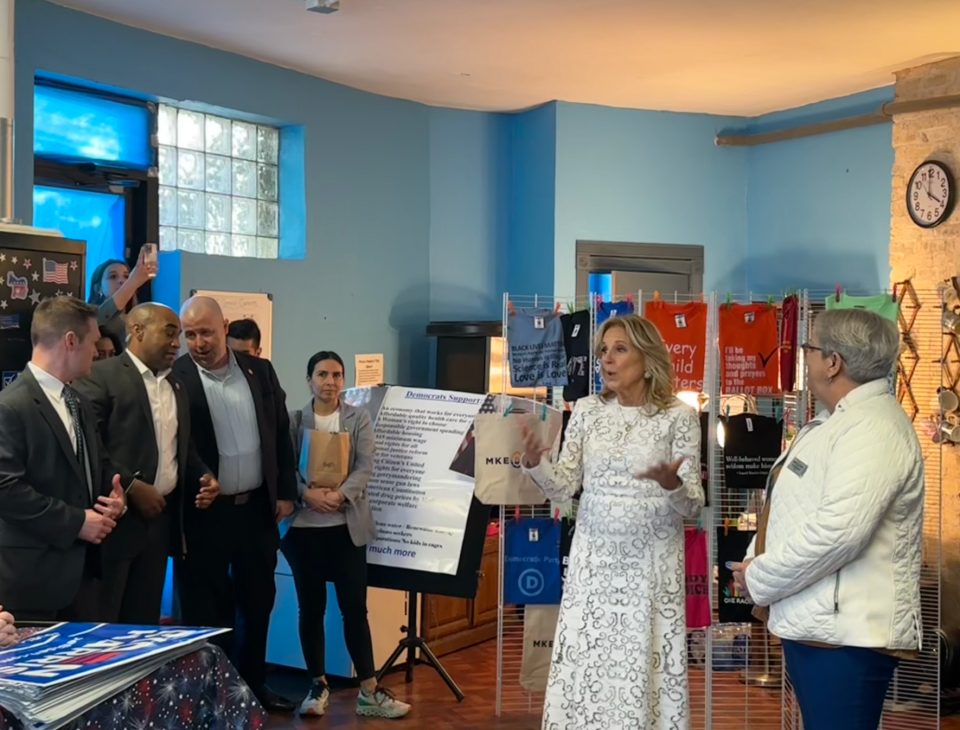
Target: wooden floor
x=435, y=708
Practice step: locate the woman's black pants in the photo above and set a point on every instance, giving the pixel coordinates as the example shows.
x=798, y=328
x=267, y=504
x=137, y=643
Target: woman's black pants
x=318, y=555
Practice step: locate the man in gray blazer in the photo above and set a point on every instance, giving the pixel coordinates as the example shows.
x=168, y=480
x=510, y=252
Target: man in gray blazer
x=58, y=499
x=144, y=418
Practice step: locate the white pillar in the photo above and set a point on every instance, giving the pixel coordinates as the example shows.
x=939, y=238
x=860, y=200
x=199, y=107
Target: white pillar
x=6, y=109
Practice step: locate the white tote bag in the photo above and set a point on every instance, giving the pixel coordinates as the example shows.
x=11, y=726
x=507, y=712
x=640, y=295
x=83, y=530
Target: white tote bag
x=499, y=446
x=539, y=629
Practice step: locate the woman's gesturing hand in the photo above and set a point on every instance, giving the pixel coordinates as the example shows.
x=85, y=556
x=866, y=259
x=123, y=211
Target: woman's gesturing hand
x=533, y=448
x=665, y=474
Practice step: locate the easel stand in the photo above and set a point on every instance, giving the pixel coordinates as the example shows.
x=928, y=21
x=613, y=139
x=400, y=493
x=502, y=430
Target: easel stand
x=411, y=644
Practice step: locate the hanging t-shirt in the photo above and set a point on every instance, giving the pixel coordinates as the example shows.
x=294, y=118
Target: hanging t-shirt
x=683, y=328
x=567, y=527
x=749, y=343
x=705, y=454
x=576, y=342
x=751, y=445
x=605, y=311
x=789, y=323
x=884, y=305
x=734, y=607
x=537, y=356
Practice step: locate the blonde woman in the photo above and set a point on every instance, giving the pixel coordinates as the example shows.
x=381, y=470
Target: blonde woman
x=619, y=659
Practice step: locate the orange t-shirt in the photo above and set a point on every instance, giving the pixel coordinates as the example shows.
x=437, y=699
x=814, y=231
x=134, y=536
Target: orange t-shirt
x=684, y=330
x=749, y=349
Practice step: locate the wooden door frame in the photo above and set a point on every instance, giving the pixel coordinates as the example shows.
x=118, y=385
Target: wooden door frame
x=649, y=257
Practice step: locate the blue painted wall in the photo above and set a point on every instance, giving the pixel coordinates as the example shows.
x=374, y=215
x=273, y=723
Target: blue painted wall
x=819, y=207
x=649, y=177
x=529, y=259
x=367, y=164
x=470, y=190
x=456, y=207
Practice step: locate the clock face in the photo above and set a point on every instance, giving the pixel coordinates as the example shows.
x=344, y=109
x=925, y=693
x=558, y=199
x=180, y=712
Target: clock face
x=930, y=194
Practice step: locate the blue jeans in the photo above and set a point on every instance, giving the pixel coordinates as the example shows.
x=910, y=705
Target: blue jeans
x=839, y=689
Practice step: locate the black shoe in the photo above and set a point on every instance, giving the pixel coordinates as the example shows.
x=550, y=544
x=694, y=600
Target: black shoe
x=272, y=702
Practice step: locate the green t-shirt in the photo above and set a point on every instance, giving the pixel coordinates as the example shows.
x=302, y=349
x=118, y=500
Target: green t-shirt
x=884, y=305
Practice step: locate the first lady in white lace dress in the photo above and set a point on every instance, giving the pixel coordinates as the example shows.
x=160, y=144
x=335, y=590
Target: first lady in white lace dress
x=620, y=654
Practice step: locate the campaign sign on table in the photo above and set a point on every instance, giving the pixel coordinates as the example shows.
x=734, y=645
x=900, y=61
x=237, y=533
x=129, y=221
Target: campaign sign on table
x=67, y=652
x=532, y=562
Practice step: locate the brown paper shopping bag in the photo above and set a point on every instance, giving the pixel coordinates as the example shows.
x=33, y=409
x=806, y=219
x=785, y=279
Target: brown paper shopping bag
x=499, y=445
x=325, y=458
x=539, y=627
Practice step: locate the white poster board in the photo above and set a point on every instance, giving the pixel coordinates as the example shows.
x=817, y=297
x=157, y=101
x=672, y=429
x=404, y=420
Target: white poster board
x=247, y=305
x=419, y=505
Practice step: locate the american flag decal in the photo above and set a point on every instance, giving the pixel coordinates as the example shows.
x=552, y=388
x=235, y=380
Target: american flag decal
x=54, y=273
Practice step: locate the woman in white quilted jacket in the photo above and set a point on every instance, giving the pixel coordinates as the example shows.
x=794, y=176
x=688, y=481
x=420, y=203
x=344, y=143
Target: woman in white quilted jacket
x=838, y=548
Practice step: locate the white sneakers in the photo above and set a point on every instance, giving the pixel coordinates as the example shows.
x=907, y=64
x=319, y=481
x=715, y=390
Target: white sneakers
x=379, y=703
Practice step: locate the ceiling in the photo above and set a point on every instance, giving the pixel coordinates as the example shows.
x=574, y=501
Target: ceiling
x=736, y=57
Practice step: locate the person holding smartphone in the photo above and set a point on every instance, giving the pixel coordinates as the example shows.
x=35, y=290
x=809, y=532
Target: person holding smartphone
x=113, y=288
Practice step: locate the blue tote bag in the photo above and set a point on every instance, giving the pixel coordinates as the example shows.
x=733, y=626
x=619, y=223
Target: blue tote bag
x=532, y=562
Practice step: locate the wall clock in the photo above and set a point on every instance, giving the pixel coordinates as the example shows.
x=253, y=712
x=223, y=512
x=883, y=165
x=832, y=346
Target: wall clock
x=931, y=194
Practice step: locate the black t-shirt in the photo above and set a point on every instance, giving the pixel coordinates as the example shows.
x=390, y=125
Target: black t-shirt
x=751, y=445
x=576, y=342
x=705, y=454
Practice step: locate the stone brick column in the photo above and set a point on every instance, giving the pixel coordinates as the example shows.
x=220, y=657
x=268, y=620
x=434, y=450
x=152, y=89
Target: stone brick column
x=929, y=257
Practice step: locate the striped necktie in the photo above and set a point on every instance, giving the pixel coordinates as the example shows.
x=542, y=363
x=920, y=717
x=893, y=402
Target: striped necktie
x=72, y=400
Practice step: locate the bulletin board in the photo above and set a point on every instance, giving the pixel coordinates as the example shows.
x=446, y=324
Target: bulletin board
x=246, y=305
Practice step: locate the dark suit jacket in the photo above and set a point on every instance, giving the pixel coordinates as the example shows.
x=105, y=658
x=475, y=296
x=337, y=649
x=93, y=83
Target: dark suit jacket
x=43, y=496
x=270, y=402
x=118, y=396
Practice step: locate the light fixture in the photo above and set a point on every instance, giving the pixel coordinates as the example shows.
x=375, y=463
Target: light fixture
x=322, y=6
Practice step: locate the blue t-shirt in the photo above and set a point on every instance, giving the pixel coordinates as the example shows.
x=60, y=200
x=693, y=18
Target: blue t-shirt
x=605, y=311
x=537, y=354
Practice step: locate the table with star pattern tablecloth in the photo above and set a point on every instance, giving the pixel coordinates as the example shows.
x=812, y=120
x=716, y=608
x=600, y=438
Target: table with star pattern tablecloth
x=200, y=691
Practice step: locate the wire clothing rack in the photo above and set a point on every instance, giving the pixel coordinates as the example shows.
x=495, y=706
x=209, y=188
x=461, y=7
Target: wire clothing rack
x=736, y=672
x=511, y=696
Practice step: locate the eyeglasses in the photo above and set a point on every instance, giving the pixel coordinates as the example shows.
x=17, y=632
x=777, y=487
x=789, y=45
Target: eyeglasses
x=807, y=347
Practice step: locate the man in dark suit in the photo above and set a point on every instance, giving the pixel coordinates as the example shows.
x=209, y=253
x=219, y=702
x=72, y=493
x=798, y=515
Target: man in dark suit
x=57, y=499
x=241, y=429
x=144, y=420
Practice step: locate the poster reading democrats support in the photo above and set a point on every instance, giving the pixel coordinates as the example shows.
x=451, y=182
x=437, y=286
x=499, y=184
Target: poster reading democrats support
x=419, y=504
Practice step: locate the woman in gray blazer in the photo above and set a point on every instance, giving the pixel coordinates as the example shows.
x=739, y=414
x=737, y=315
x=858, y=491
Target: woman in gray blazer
x=327, y=542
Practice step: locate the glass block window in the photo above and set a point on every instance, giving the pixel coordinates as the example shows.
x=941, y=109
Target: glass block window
x=73, y=126
x=219, y=185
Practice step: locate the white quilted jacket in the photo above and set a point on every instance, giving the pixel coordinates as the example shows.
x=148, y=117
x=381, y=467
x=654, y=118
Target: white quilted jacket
x=844, y=540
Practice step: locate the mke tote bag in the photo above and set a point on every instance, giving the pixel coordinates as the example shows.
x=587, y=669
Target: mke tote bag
x=498, y=447
x=539, y=629
x=698, y=596
x=531, y=570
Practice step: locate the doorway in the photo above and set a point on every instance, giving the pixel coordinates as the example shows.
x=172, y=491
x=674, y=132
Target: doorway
x=614, y=270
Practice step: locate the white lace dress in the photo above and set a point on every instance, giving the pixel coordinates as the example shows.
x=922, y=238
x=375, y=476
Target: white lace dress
x=620, y=654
